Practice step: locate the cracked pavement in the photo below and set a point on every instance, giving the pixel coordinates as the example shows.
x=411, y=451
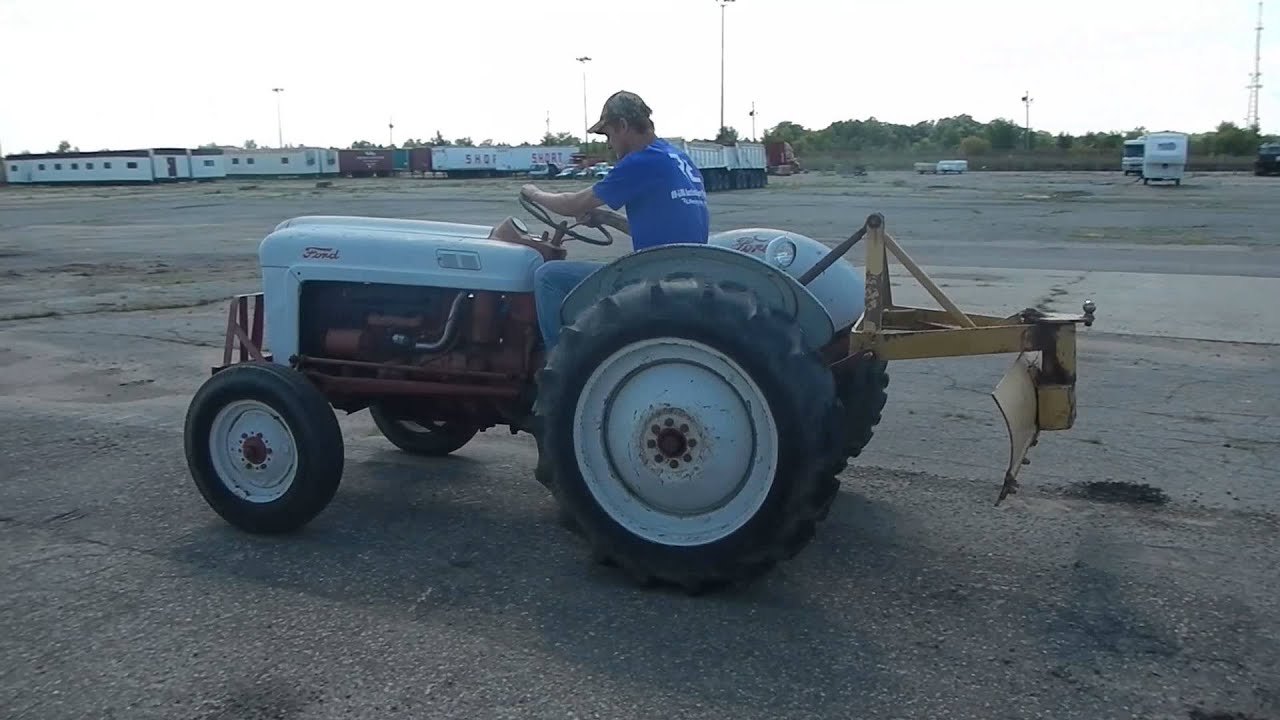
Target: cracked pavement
x=445, y=588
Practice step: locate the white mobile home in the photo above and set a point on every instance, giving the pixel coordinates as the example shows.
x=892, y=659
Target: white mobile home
x=171, y=164
x=104, y=166
x=208, y=164
x=290, y=162
x=1164, y=157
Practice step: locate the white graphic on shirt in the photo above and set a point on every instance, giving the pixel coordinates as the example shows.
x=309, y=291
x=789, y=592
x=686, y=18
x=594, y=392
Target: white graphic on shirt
x=684, y=167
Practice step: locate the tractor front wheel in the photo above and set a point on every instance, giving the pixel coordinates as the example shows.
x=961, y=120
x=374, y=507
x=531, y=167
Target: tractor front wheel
x=430, y=438
x=264, y=447
x=687, y=434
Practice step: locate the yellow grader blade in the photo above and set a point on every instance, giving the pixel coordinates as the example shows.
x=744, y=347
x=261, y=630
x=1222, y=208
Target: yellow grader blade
x=1015, y=396
x=1036, y=394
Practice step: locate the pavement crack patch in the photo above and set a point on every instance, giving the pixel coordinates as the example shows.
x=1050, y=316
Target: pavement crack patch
x=67, y=516
x=1115, y=491
x=1044, y=304
x=176, y=339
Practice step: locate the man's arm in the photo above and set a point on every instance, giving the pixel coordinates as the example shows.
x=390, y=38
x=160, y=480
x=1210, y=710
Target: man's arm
x=574, y=204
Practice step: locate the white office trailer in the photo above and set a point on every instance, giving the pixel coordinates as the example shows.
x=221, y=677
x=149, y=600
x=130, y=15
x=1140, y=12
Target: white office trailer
x=171, y=164
x=208, y=164
x=70, y=168
x=289, y=162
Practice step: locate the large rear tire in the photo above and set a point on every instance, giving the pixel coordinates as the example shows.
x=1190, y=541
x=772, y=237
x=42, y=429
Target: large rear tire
x=264, y=447
x=687, y=433
x=863, y=391
x=430, y=439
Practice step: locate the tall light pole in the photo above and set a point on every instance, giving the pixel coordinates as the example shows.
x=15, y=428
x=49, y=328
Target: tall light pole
x=1026, y=100
x=584, y=60
x=753, y=121
x=723, y=4
x=279, y=125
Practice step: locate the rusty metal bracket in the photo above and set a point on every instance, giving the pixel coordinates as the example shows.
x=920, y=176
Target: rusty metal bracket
x=244, y=335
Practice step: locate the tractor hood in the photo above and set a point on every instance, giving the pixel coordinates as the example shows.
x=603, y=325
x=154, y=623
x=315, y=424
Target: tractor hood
x=407, y=251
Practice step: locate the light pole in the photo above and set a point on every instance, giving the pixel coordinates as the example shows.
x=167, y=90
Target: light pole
x=753, y=121
x=584, y=60
x=723, y=4
x=1026, y=100
x=279, y=125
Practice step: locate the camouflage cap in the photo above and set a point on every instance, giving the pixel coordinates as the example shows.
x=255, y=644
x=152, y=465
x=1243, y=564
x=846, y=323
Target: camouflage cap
x=622, y=105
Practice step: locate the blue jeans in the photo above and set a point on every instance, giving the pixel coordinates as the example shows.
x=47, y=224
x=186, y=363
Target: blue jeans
x=552, y=282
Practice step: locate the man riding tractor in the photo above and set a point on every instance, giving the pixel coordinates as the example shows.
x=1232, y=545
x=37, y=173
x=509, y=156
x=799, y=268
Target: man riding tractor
x=658, y=184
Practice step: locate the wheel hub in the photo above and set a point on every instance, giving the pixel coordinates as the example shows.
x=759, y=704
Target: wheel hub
x=671, y=438
x=253, y=451
x=675, y=440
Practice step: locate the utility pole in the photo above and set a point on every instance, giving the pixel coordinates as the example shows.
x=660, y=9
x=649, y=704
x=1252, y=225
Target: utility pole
x=391, y=133
x=548, y=122
x=279, y=126
x=753, y=121
x=1255, y=86
x=723, y=5
x=585, y=123
x=1026, y=100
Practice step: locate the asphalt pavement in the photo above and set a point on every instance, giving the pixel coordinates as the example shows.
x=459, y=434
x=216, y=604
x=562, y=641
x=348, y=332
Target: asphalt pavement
x=1133, y=576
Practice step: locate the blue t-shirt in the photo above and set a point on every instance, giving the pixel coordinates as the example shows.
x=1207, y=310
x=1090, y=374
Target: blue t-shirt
x=663, y=192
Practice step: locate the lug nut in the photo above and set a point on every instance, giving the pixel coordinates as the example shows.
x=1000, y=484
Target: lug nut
x=675, y=464
x=688, y=458
x=684, y=428
x=668, y=422
x=652, y=443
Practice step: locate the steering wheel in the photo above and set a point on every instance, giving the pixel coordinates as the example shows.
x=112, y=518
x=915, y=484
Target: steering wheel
x=563, y=227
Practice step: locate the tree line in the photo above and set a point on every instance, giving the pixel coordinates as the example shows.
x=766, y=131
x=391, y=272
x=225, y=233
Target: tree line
x=970, y=138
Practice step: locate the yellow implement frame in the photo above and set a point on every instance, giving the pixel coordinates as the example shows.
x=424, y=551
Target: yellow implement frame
x=1037, y=393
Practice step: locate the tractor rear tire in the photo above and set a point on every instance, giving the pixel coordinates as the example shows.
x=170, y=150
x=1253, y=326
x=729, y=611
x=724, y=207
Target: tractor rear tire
x=264, y=447
x=863, y=393
x=419, y=438
x=687, y=434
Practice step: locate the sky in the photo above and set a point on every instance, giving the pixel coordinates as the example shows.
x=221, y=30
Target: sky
x=149, y=73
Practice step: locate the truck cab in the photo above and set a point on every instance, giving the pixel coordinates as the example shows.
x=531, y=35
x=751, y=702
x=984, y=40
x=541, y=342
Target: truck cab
x=1268, y=162
x=1131, y=162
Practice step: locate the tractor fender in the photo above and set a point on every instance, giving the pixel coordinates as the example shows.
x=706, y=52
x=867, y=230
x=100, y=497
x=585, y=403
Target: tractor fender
x=840, y=288
x=720, y=265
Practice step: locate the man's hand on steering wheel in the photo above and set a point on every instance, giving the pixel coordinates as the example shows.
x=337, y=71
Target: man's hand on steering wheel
x=530, y=199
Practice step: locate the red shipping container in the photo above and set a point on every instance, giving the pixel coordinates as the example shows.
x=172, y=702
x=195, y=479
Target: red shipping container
x=420, y=160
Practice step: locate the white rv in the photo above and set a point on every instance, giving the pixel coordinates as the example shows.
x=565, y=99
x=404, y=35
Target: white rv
x=1131, y=162
x=1164, y=157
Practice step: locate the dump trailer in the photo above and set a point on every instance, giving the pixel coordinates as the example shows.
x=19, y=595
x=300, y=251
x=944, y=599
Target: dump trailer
x=738, y=166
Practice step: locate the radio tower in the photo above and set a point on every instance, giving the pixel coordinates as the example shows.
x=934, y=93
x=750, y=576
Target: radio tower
x=1255, y=87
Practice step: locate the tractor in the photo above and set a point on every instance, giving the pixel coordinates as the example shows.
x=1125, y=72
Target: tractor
x=691, y=423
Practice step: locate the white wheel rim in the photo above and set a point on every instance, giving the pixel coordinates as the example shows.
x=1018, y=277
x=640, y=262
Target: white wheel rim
x=660, y=483
x=253, y=451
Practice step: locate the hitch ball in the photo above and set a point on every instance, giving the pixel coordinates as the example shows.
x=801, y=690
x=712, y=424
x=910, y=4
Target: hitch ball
x=1090, y=307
